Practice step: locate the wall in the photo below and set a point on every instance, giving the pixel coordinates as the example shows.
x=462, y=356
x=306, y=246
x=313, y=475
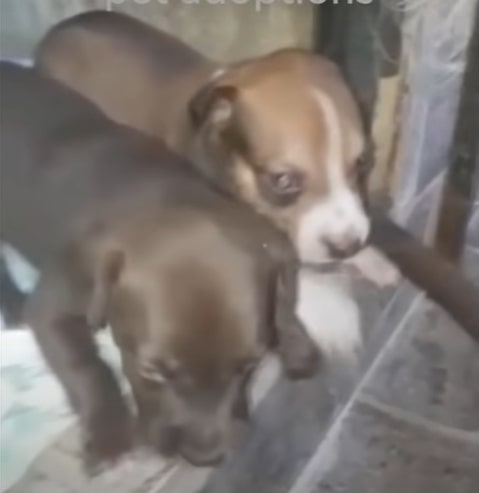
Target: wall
x=226, y=32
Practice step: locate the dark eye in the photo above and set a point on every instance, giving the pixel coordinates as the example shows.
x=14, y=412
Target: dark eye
x=152, y=381
x=282, y=188
x=286, y=183
x=170, y=370
x=155, y=373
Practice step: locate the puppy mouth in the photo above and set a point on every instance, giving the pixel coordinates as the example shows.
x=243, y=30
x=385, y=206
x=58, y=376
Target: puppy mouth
x=341, y=267
x=327, y=266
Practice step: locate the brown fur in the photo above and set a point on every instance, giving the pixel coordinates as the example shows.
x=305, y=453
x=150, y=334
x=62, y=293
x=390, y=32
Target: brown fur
x=161, y=86
x=194, y=285
x=154, y=82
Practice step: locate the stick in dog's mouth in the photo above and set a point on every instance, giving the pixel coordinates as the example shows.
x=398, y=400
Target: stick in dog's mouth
x=339, y=267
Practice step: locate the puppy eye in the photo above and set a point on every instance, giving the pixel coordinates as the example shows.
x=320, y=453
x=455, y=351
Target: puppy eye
x=169, y=370
x=285, y=182
x=152, y=381
x=158, y=372
x=282, y=188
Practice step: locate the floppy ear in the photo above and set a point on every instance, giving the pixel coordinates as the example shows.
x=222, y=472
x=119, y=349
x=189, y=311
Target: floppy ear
x=105, y=276
x=213, y=103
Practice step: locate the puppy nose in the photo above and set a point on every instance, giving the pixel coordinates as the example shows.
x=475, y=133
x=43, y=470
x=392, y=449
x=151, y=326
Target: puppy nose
x=344, y=248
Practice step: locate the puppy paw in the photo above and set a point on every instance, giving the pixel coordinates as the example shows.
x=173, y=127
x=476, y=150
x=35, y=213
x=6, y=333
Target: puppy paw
x=108, y=439
x=375, y=267
x=300, y=361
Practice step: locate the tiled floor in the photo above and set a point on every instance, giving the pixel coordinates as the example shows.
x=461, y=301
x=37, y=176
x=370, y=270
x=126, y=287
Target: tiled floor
x=414, y=425
x=432, y=371
x=381, y=450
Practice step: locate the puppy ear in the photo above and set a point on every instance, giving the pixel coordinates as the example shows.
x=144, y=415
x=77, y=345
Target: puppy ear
x=106, y=275
x=213, y=103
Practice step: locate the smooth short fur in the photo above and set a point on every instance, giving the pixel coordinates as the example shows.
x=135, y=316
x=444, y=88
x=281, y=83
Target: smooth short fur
x=281, y=132
x=194, y=285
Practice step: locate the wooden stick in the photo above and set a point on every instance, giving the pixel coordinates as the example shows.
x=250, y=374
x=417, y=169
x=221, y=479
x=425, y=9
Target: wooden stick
x=463, y=174
x=429, y=271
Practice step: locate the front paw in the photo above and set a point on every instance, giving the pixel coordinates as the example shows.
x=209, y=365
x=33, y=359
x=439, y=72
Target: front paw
x=108, y=438
x=301, y=370
x=301, y=359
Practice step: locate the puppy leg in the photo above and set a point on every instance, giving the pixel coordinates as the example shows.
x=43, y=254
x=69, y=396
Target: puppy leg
x=68, y=346
x=298, y=353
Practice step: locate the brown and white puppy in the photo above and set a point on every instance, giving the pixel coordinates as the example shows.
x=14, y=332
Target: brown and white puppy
x=281, y=132
x=194, y=285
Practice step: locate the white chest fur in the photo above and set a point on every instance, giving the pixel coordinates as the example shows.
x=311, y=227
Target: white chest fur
x=327, y=308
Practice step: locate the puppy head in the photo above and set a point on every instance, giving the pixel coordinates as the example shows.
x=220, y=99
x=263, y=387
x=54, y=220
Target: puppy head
x=188, y=350
x=283, y=133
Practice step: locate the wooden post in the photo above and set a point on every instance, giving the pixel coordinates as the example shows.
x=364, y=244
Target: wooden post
x=463, y=174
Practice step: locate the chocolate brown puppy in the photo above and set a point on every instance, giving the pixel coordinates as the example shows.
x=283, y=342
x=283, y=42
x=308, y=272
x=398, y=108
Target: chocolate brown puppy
x=195, y=286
